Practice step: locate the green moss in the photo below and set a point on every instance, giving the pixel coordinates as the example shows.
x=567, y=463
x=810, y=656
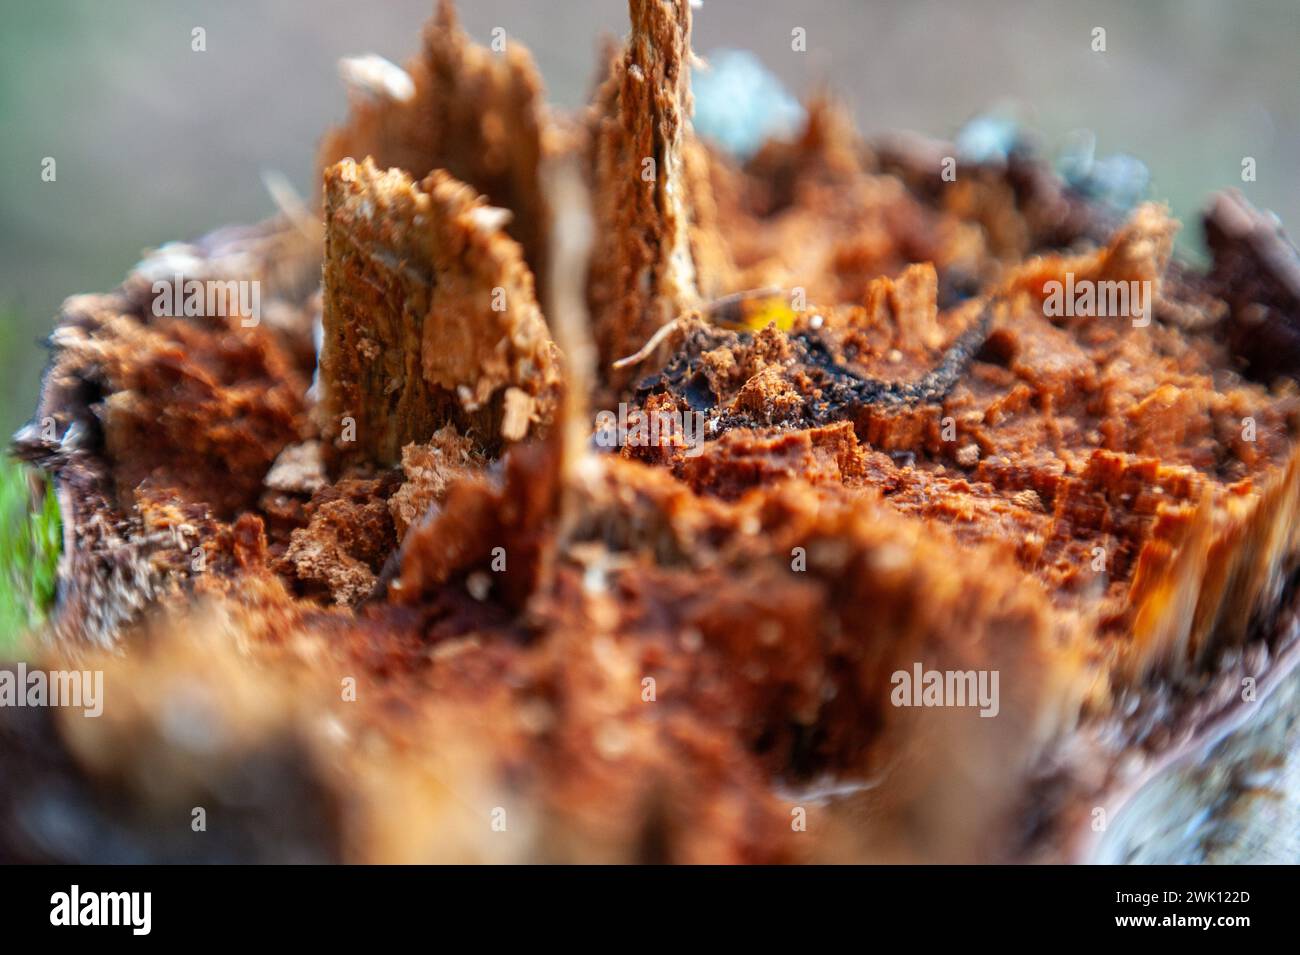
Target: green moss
x=31, y=538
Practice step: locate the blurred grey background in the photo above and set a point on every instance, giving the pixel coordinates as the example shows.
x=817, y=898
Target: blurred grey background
x=154, y=141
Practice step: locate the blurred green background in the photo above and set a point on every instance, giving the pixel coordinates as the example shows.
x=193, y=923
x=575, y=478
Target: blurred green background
x=30, y=539
x=155, y=141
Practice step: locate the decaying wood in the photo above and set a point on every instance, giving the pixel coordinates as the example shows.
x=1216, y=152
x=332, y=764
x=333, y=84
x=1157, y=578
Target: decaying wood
x=460, y=107
x=430, y=318
x=643, y=272
x=657, y=651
